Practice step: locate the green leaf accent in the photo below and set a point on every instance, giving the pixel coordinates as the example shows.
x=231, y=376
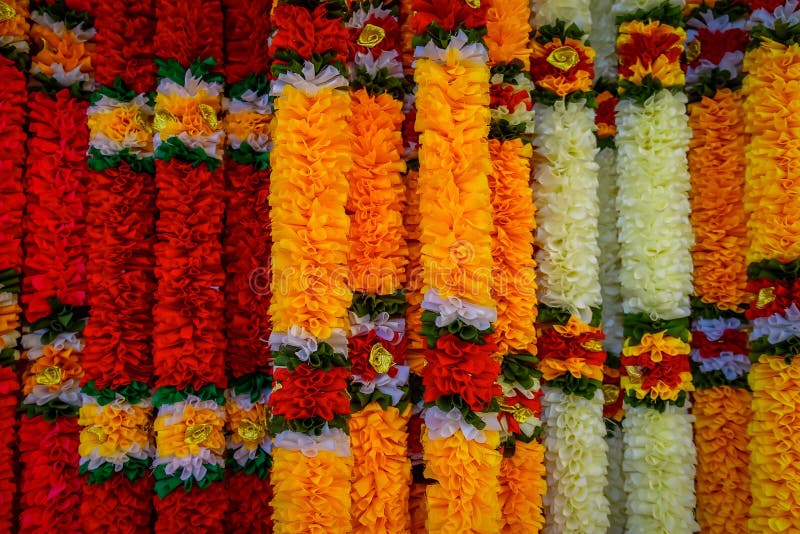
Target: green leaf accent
x=166, y=484
x=549, y=98
x=252, y=384
x=441, y=37
x=51, y=86
x=293, y=62
x=448, y=402
x=200, y=68
x=258, y=466
x=358, y=400
x=611, y=426
x=258, y=83
x=63, y=318
x=774, y=270
x=22, y=59
x=606, y=142
x=581, y=387
x=10, y=281
x=657, y=404
x=100, y=162
x=134, y=393
x=133, y=469
x=247, y=155
x=381, y=83
x=174, y=148
x=117, y=91
x=715, y=379
x=324, y=358
x=559, y=30
x=520, y=368
x=666, y=13
x=735, y=9
x=710, y=81
x=788, y=348
x=173, y=395
x=502, y=129
x=613, y=360
x=510, y=70
x=59, y=12
x=415, y=389
x=412, y=164
x=561, y=316
x=643, y=92
x=373, y=305
x=50, y=411
x=458, y=328
x=782, y=33
x=636, y=325
x=707, y=310
x=9, y=356
x=311, y=426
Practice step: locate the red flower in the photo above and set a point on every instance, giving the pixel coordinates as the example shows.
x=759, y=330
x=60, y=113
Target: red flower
x=202, y=510
x=457, y=367
x=605, y=117
x=414, y=435
x=390, y=41
x=125, y=43
x=188, y=31
x=732, y=340
x=769, y=5
x=714, y=45
x=309, y=32
x=505, y=95
x=410, y=134
x=127, y=506
x=308, y=392
x=449, y=14
x=553, y=345
x=12, y=158
x=667, y=371
x=771, y=296
x=534, y=404
x=359, y=348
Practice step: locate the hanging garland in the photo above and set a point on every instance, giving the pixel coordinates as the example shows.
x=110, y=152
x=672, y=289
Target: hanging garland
x=655, y=238
x=461, y=435
x=247, y=243
x=54, y=285
x=188, y=340
x=311, y=158
x=116, y=413
x=771, y=64
x=715, y=47
x=522, y=483
x=14, y=49
x=569, y=344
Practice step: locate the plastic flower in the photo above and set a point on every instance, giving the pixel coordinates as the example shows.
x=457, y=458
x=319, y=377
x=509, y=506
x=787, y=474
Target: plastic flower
x=562, y=78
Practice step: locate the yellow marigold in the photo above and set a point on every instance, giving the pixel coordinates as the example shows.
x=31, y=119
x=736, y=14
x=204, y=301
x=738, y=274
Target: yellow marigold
x=508, y=31
x=660, y=390
x=16, y=25
x=453, y=121
x=52, y=369
x=522, y=486
x=377, y=236
x=717, y=167
x=308, y=193
x=466, y=498
x=122, y=123
x=514, y=286
x=247, y=123
x=196, y=116
x=246, y=427
x=311, y=494
x=552, y=368
x=199, y=428
x=723, y=480
x=381, y=470
x=65, y=50
x=657, y=345
x=773, y=444
x=772, y=118
x=112, y=431
x=650, y=48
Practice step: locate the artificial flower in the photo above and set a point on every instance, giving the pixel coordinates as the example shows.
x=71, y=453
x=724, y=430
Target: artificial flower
x=448, y=14
x=307, y=392
x=557, y=77
x=522, y=486
x=650, y=49
x=508, y=31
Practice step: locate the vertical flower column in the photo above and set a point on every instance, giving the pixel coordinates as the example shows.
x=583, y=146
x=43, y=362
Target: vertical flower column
x=246, y=254
x=522, y=470
x=377, y=261
x=116, y=413
x=54, y=285
x=188, y=337
x=603, y=37
x=461, y=435
x=569, y=346
x=715, y=47
x=14, y=49
x=656, y=270
x=771, y=101
x=309, y=187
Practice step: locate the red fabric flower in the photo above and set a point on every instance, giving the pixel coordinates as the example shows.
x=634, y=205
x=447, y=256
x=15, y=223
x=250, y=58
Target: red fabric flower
x=308, y=392
x=249, y=507
x=505, y=95
x=13, y=138
x=309, y=32
x=732, y=340
x=775, y=297
x=605, y=117
x=458, y=367
x=198, y=510
x=646, y=47
x=243, y=53
x=390, y=41
x=769, y=5
x=9, y=399
x=534, y=404
x=125, y=32
x=449, y=14
x=359, y=348
x=188, y=30
x=714, y=45
x=118, y=505
x=552, y=345
x=667, y=371
x=410, y=134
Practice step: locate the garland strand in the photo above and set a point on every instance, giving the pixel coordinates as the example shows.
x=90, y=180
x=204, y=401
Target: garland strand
x=14, y=48
x=771, y=64
x=247, y=243
x=655, y=238
x=312, y=139
x=461, y=436
x=716, y=40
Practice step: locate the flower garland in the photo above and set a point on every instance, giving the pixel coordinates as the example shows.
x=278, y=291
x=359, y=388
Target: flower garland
x=461, y=424
x=247, y=243
x=309, y=188
x=514, y=288
x=570, y=349
x=14, y=29
x=716, y=40
x=655, y=238
x=770, y=99
x=188, y=343
x=54, y=285
x=377, y=260
x=115, y=443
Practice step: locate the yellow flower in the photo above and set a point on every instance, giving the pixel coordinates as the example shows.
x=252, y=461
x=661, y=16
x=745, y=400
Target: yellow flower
x=247, y=123
x=577, y=367
x=17, y=25
x=112, y=431
x=247, y=428
x=200, y=428
x=522, y=486
x=657, y=345
x=508, y=32
x=120, y=123
x=196, y=115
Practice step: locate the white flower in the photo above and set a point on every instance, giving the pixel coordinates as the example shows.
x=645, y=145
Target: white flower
x=566, y=191
x=360, y=16
x=603, y=38
x=615, y=488
x=444, y=424
x=388, y=59
x=787, y=13
x=66, y=340
x=777, y=327
x=458, y=47
x=59, y=27
x=714, y=328
x=454, y=308
x=384, y=326
x=621, y=7
x=191, y=87
x=659, y=470
x=576, y=463
x=386, y=384
x=331, y=439
x=547, y=12
x=69, y=393
x=303, y=340
x=655, y=234
x=310, y=82
x=210, y=144
x=731, y=365
x=609, y=251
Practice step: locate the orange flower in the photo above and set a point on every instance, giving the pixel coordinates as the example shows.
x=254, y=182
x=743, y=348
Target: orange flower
x=552, y=368
x=65, y=50
x=562, y=67
x=650, y=48
x=200, y=428
x=508, y=31
x=17, y=25
x=522, y=486
x=52, y=369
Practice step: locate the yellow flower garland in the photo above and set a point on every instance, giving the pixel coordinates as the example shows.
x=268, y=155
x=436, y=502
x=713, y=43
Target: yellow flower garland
x=508, y=31
x=522, y=476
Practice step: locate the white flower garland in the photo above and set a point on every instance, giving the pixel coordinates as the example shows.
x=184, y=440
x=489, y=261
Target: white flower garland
x=609, y=247
x=603, y=38
x=574, y=434
x=547, y=12
x=615, y=488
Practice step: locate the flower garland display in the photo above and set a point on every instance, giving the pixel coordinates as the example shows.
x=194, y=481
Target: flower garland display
x=522, y=483
x=770, y=95
x=310, y=49
x=116, y=414
x=14, y=48
x=655, y=238
x=569, y=345
x=461, y=434
x=188, y=340
x=716, y=40
x=377, y=261
x=247, y=243
x=54, y=282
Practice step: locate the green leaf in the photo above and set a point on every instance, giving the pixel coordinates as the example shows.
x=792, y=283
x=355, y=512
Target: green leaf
x=134, y=393
x=252, y=384
x=707, y=310
x=166, y=484
x=441, y=37
x=656, y=404
x=581, y=387
x=641, y=93
x=636, y=325
x=560, y=30
x=378, y=84
x=247, y=155
x=457, y=328
x=21, y=58
x=666, y=13
x=774, y=270
x=100, y=162
x=258, y=466
x=312, y=426
x=59, y=12
x=50, y=411
x=118, y=91
x=258, y=83
x=372, y=305
x=173, y=395
x=520, y=368
x=175, y=148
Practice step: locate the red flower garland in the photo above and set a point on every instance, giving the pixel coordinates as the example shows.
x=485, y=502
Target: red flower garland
x=307, y=392
x=308, y=32
x=732, y=340
x=449, y=14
